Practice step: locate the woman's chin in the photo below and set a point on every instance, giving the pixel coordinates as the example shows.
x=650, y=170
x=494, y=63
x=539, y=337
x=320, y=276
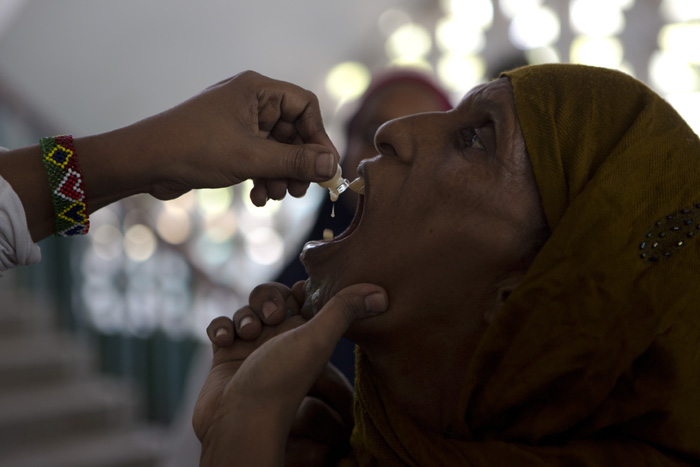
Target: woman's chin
x=317, y=293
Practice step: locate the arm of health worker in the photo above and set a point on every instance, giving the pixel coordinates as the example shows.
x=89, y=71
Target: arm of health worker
x=248, y=126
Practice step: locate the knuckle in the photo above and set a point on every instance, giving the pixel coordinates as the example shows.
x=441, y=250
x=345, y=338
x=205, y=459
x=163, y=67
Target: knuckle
x=313, y=99
x=267, y=291
x=296, y=162
x=247, y=75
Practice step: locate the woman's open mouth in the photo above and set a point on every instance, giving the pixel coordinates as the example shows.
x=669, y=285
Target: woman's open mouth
x=329, y=239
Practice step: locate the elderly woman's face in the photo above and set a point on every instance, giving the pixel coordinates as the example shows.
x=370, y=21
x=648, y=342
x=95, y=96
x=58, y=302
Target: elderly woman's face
x=449, y=205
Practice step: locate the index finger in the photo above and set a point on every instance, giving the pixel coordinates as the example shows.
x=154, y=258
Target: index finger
x=300, y=107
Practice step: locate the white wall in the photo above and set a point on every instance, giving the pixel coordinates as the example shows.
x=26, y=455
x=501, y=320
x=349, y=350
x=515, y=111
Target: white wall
x=94, y=65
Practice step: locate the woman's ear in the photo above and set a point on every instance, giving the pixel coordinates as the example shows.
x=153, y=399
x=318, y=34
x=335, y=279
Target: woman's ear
x=503, y=290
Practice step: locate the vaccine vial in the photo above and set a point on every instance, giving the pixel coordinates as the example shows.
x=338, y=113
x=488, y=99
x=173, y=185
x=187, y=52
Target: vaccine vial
x=336, y=185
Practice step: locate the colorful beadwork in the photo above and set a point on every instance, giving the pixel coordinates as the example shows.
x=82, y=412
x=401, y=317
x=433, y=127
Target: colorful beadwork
x=673, y=232
x=67, y=186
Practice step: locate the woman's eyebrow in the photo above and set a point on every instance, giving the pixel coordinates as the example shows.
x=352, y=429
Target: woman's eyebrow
x=485, y=98
x=495, y=104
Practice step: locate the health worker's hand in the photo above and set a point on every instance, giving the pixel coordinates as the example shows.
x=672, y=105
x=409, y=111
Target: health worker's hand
x=247, y=127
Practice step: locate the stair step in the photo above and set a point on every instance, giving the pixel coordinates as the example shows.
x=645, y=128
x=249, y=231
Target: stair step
x=65, y=410
x=141, y=447
x=40, y=359
x=23, y=313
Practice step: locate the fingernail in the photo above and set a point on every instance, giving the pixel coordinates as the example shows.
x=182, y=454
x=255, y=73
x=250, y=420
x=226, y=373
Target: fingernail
x=246, y=321
x=376, y=303
x=268, y=308
x=325, y=165
x=220, y=332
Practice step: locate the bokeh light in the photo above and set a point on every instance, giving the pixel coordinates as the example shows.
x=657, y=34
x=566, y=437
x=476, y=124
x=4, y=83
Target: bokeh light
x=455, y=37
x=264, y=245
x=671, y=73
x=597, y=51
x=392, y=19
x=546, y=54
x=460, y=73
x=410, y=43
x=173, y=224
x=476, y=13
x=538, y=27
x=210, y=253
x=680, y=10
x=513, y=8
x=214, y=202
x=222, y=228
x=688, y=106
x=596, y=17
x=347, y=81
x=682, y=39
x=139, y=242
x=107, y=241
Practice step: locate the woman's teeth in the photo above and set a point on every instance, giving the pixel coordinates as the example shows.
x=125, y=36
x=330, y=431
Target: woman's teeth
x=328, y=234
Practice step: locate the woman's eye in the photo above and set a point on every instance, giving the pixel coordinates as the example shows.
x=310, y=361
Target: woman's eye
x=471, y=140
x=476, y=142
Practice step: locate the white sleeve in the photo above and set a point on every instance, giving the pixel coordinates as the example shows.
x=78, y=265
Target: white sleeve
x=16, y=245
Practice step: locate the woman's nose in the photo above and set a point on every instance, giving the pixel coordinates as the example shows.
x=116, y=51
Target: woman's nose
x=394, y=139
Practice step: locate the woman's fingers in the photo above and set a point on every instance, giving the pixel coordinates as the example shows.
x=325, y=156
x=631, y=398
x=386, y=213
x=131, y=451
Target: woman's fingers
x=299, y=293
x=273, y=302
x=285, y=367
x=334, y=389
x=269, y=304
x=247, y=323
x=220, y=332
x=317, y=420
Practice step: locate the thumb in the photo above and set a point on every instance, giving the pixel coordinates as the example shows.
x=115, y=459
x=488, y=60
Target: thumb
x=355, y=302
x=303, y=162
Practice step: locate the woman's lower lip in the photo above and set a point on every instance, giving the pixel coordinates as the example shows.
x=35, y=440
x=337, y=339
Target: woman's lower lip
x=312, y=244
x=315, y=247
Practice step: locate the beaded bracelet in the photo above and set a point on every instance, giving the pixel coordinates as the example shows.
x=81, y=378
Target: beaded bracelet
x=67, y=186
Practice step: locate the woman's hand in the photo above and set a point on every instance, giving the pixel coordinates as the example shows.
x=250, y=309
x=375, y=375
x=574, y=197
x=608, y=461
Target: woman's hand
x=320, y=432
x=248, y=404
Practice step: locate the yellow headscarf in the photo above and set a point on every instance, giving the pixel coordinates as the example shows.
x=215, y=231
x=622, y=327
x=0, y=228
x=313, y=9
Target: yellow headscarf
x=595, y=358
